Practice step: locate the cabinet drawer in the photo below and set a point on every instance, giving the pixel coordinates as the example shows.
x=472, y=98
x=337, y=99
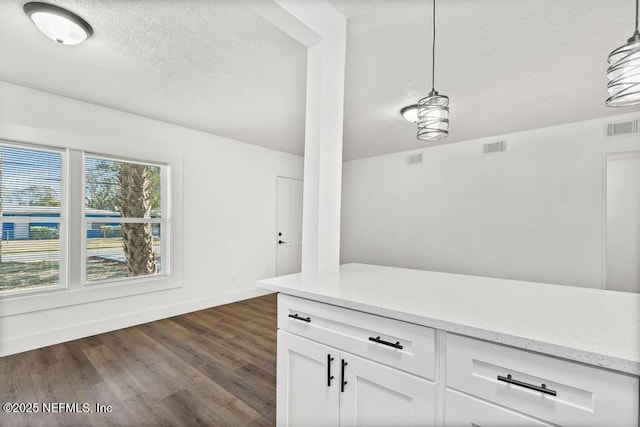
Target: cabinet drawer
x=401, y=345
x=465, y=410
x=584, y=395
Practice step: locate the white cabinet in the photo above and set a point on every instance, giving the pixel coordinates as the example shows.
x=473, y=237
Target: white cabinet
x=401, y=345
x=376, y=395
x=306, y=394
x=557, y=391
x=322, y=386
x=463, y=410
x=339, y=367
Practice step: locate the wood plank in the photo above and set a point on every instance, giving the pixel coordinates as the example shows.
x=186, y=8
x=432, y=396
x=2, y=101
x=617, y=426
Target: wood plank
x=210, y=367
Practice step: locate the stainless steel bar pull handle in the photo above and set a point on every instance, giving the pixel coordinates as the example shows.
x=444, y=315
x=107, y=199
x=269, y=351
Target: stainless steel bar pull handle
x=297, y=317
x=329, y=376
x=541, y=388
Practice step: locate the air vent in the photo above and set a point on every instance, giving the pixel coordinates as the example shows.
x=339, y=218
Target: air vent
x=623, y=128
x=413, y=159
x=494, y=147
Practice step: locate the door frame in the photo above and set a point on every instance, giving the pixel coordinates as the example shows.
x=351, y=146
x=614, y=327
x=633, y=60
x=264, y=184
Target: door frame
x=605, y=160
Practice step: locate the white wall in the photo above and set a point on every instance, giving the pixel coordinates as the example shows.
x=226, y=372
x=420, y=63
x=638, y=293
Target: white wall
x=223, y=217
x=533, y=213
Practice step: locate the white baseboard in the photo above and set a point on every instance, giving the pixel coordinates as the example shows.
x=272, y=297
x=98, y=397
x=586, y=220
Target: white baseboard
x=57, y=336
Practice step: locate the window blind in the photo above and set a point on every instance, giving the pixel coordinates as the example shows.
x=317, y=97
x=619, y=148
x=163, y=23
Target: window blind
x=32, y=217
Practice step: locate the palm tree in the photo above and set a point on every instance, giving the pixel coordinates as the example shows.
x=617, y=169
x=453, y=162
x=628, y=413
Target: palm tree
x=134, y=201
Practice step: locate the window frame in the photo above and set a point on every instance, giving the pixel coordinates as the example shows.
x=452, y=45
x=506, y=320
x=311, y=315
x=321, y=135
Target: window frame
x=163, y=221
x=74, y=294
x=62, y=220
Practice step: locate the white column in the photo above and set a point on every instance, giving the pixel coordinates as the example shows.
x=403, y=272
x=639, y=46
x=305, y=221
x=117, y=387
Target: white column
x=322, y=29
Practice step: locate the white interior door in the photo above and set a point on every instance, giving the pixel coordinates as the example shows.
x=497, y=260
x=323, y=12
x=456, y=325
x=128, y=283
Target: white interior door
x=623, y=222
x=289, y=238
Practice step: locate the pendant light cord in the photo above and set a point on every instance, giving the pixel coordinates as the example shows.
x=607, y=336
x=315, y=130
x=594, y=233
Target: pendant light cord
x=636, y=15
x=433, y=47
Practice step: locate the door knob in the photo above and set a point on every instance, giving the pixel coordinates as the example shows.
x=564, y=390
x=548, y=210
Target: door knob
x=280, y=242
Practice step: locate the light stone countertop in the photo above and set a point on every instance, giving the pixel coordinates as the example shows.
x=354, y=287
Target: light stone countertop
x=592, y=326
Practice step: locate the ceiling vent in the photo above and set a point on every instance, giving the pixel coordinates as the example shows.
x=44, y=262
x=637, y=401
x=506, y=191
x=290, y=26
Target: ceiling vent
x=494, y=147
x=413, y=159
x=623, y=128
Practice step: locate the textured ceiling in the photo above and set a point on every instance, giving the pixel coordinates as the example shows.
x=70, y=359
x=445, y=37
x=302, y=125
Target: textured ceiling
x=216, y=66
x=506, y=65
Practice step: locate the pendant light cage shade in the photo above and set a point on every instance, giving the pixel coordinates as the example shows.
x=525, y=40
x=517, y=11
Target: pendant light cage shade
x=433, y=117
x=624, y=71
x=624, y=74
x=58, y=24
x=433, y=110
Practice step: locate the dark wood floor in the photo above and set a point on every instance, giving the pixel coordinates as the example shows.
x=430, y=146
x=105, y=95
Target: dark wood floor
x=214, y=367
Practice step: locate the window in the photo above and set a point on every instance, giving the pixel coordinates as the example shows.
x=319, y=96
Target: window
x=114, y=223
x=32, y=218
x=124, y=220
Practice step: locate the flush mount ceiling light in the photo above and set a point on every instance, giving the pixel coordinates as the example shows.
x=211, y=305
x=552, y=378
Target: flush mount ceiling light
x=433, y=110
x=624, y=72
x=57, y=23
x=410, y=113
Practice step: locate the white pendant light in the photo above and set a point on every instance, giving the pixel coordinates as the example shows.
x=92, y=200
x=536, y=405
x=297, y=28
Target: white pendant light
x=410, y=113
x=433, y=110
x=57, y=23
x=624, y=72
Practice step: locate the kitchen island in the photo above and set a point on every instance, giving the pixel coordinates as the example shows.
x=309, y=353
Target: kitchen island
x=449, y=349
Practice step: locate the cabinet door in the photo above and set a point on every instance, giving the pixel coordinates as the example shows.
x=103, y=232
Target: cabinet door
x=376, y=395
x=305, y=395
x=466, y=411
